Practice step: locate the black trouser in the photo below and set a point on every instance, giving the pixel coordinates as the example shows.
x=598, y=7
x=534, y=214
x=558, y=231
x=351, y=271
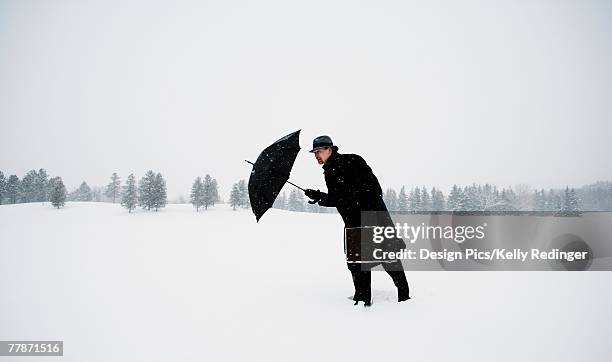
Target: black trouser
x=362, y=278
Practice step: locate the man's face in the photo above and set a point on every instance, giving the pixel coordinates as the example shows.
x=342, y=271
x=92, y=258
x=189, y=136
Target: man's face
x=322, y=154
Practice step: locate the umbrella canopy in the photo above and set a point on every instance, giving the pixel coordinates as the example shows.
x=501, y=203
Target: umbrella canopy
x=271, y=171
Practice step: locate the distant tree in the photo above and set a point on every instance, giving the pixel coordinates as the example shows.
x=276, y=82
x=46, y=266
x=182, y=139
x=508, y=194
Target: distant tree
x=455, y=199
x=235, y=196
x=539, y=200
x=402, y=200
x=13, y=189
x=129, y=197
x=209, y=191
x=28, y=187
x=437, y=200
x=58, y=194
x=2, y=187
x=280, y=202
x=426, y=204
x=296, y=201
x=414, y=200
x=570, y=202
x=113, y=189
x=40, y=186
x=390, y=199
x=146, y=190
x=244, y=194
x=160, y=197
x=197, y=193
x=97, y=193
x=83, y=193
x=215, y=191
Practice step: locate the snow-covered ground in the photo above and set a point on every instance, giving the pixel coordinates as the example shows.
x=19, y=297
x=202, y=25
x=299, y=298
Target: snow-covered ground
x=177, y=285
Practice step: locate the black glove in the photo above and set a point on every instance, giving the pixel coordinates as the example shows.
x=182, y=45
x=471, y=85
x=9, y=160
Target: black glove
x=315, y=195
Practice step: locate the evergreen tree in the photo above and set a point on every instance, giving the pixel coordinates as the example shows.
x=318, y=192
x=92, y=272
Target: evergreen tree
x=113, y=189
x=296, y=201
x=83, y=193
x=215, y=192
x=414, y=200
x=235, y=197
x=244, y=194
x=58, y=194
x=197, y=193
x=426, y=204
x=40, y=186
x=570, y=202
x=280, y=202
x=539, y=200
x=402, y=200
x=129, y=197
x=146, y=190
x=471, y=198
x=160, y=197
x=456, y=199
x=13, y=189
x=2, y=187
x=28, y=187
x=437, y=200
x=97, y=193
x=390, y=199
x=209, y=192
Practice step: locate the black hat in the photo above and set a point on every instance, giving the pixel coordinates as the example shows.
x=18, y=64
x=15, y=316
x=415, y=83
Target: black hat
x=321, y=141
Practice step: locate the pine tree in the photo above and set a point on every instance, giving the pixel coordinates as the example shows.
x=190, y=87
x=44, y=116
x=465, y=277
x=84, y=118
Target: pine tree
x=235, y=196
x=390, y=199
x=210, y=194
x=414, y=199
x=28, y=186
x=296, y=201
x=402, y=200
x=58, y=194
x=40, y=186
x=426, y=204
x=83, y=193
x=215, y=192
x=146, y=190
x=280, y=202
x=244, y=194
x=160, y=197
x=2, y=187
x=197, y=194
x=570, y=202
x=113, y=189
x=455, y=199
x=437, y=200
x=13, y=189
x=129, y=197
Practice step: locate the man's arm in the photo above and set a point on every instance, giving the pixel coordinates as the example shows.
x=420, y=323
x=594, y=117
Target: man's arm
x=321, y=198
x=327, y=200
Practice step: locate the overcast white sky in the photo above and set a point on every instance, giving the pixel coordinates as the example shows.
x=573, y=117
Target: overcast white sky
x=429, y=93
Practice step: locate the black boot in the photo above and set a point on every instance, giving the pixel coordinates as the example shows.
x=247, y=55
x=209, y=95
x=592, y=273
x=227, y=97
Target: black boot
x=403, y=294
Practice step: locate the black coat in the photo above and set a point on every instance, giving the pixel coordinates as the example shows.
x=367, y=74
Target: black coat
x=352, y=188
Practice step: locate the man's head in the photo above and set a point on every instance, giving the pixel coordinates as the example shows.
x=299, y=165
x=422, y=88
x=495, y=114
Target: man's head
x=323, y=147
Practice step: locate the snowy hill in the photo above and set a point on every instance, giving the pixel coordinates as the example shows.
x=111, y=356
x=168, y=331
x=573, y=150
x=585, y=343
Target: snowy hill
x=177, y=285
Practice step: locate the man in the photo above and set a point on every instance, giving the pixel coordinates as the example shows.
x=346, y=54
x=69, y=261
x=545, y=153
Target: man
x=352, y=188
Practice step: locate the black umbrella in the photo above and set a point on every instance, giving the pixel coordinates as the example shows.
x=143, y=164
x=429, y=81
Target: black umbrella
x=271, y=171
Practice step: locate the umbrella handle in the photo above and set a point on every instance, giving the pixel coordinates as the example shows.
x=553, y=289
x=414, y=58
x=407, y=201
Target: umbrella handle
x=289, y=182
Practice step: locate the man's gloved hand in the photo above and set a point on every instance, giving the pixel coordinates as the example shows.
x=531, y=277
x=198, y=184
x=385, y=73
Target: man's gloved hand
x=315, y=195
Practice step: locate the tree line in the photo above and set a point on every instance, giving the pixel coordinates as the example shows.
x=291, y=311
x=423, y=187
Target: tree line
x=150, y=193
x=476, y=197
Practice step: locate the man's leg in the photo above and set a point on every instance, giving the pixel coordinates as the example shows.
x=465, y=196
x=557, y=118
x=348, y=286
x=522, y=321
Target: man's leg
x=361, y=280
x=396, y=272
